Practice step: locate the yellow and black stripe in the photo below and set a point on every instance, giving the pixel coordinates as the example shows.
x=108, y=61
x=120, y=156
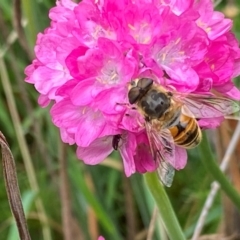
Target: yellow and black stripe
x=187, y=132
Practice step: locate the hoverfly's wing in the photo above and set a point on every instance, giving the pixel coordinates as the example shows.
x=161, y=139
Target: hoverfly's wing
x=163, y=152
x=206, y=106
x=166, y=173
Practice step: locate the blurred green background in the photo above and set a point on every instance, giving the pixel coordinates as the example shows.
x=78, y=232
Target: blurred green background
x=87, y=200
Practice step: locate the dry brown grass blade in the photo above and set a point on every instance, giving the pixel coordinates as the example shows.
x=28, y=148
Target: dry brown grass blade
x=215, y=186
x=232, y=216
x=91, y=215
x=13, y=192
x=152, y=224
x=218, y=237
x=141, y=235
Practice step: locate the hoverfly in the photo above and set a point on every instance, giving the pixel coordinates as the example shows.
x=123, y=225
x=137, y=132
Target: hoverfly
x=171, y=119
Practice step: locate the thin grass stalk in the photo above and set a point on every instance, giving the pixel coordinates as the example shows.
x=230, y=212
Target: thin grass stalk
x=110, y=162
x=65, y=193
x=152, y=223
x=23, y=147
x=129, y=209
x=17, y=23
x=29, y=8
x=161, y=229
x=216, y=3
x=12, y=37
x=36, y=125
x=212, y=167
x=91, y=215
x=165, y=209
x=55, y=226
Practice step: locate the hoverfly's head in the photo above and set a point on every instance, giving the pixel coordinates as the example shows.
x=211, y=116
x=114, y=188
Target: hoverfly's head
x=138, y=88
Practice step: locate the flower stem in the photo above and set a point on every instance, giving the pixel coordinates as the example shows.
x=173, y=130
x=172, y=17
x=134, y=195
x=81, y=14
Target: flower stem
x=211, y=165
x=167, y=214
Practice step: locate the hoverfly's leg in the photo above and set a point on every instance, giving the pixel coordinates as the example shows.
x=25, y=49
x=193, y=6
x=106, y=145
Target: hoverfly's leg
x=165, y=75
x=128, y=105
x=123, y=104
x=139, y=123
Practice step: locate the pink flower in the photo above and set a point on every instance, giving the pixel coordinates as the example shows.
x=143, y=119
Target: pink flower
x=213, y=22
x=92, y=50
x=101, y=238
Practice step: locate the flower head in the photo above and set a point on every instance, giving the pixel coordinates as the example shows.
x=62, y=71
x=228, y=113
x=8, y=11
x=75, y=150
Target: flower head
x=92, y=50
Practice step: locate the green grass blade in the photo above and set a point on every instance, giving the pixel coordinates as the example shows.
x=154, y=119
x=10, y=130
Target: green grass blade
x=77, y=178
x=168, y=216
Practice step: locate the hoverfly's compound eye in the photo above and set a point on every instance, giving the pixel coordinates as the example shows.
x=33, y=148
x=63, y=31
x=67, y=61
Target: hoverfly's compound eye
x=133, y=95
x=145, y=83
x=138, y=89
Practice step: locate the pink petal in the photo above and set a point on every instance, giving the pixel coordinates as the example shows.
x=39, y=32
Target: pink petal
x=183, y=78
x=67, y=137
x=210, y=123
x=82, y=93
x=233, y=93
x=71, y=61
x=229, y=90
x=43, y=100
x=127, y=150
x=66, y=89
x=45, y=79
x=236, y=69
x=101, y=238
x=65, y=114
x=180, y=158
x=143, y=158
x=132, y=121
x=112, y=100
x=96, y=152
x=90, y=127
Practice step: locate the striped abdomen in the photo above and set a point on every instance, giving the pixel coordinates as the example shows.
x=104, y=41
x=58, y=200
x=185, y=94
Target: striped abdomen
x=187, y=132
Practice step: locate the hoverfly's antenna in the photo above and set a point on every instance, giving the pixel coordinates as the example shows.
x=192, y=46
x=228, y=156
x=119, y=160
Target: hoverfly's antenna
x=123, y=104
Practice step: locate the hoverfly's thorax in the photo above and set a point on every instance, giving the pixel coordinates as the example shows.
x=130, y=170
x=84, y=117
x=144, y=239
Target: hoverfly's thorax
x=155, y=104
